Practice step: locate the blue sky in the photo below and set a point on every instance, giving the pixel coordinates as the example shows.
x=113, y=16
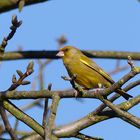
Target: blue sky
x=87, y=24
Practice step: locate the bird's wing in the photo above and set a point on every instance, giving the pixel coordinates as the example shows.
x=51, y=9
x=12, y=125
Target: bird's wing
x=91, y=64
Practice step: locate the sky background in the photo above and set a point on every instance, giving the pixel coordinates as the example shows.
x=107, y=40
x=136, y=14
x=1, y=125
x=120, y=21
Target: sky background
x=89, y=25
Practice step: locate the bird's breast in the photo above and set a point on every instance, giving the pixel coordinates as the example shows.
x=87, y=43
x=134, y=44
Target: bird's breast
x=85, y=76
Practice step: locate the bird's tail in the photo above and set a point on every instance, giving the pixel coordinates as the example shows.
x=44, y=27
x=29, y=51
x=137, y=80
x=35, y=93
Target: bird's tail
x=124, y=94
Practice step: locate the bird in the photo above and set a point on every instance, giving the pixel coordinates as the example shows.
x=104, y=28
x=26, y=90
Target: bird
x=88, y=74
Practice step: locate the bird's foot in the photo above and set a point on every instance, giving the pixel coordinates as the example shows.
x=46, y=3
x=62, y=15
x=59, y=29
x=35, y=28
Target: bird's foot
x=77, y=94
x=97, y=93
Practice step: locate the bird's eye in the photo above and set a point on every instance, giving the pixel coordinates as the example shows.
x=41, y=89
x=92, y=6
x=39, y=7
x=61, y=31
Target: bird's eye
x=66, y=49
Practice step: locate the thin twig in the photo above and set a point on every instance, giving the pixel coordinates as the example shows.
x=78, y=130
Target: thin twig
x=85, y=137
x=44, y=122
x=15, y=24
x=16, y=125
x=22, y=76
x=118, y=68
x=6, y=123
x=42, y=66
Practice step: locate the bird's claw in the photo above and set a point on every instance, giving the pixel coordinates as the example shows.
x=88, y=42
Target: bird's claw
x=75, y=93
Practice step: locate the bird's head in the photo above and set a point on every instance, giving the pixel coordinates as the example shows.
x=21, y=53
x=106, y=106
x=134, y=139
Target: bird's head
x=67, y=51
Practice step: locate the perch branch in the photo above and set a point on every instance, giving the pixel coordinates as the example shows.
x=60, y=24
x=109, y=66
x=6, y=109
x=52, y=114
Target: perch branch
x=15, y=95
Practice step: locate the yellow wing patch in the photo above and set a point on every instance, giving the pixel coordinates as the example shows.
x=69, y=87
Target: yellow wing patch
x=105, y=75
x=99, y=70
x=86, y=63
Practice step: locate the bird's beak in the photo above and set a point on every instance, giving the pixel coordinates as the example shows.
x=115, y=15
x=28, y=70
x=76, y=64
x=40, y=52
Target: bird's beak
x=60, y=54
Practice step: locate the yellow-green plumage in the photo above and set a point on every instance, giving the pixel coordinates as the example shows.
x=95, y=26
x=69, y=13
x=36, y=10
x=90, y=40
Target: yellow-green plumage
x=88, y=74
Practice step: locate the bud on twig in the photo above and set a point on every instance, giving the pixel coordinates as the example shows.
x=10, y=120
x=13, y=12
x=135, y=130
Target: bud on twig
x=19, y=73
x=14, y=79
x=30, y=68
x=25, y=82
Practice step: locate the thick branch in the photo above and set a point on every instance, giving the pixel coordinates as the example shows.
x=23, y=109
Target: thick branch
x=123, y=114
x=23, y=117
x=75, y=127
x=6, y=123
x=6, y=5
x=29, y=106
x=16, y=95
x=17, y=55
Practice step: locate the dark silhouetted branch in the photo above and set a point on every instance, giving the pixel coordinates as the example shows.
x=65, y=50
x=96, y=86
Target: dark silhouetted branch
x=17, y=55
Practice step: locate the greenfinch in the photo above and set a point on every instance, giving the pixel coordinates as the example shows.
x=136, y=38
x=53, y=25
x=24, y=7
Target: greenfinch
x=88, y=74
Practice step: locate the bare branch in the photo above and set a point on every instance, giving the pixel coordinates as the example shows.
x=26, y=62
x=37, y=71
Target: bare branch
x=73, y=128
x=85, y=137
x=15, y=24
x=118, y=68
x=42, y=66
x=6, y=5
x=116, y=96
x=17, y=55
x=51, y=119
x=23, y=117
x=122, y=114
x=6, y=123
x=22, y=76
x=48, y=94
x=44, y=122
